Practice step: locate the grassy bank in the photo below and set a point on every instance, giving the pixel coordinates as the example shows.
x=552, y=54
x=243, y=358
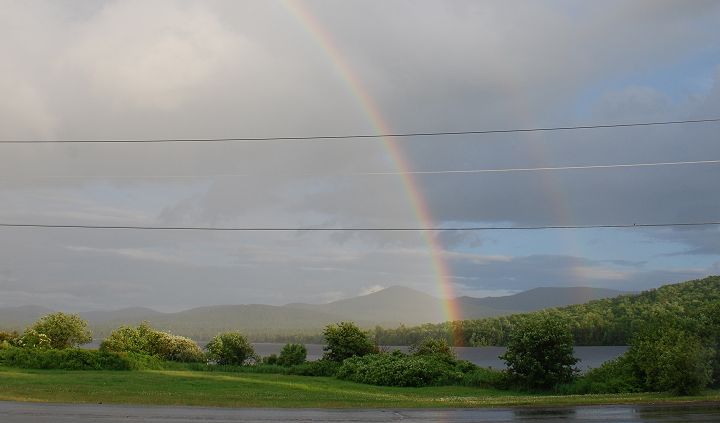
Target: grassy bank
x=180, y=387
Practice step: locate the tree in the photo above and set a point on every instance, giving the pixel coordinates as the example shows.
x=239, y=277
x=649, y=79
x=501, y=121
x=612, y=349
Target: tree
x=64, y=330
x=230, y=348
x=292, y=354
x=344, y=340
x=540, y=351
x=668, y=358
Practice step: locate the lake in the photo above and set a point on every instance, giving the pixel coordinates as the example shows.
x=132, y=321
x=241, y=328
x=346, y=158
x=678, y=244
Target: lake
x=590, y=357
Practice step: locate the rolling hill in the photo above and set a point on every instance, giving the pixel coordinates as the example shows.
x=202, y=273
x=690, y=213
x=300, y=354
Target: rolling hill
x=532, y=300
x=389, y=307
x=606, y=321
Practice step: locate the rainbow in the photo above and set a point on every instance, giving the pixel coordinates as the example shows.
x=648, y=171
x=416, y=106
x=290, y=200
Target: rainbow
x=372, y=111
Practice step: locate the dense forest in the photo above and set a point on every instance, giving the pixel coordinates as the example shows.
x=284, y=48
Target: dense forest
x=601, y=322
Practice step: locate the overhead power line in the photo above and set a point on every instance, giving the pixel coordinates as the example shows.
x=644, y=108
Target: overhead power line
x=364, y=136
x=541, y=169
x=360, y=229
x=380, y=173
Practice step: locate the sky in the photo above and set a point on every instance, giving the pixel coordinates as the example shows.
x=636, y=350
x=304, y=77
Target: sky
x=103, y=70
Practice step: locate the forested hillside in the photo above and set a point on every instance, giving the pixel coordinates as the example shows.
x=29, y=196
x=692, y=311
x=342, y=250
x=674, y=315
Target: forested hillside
x=601, y=322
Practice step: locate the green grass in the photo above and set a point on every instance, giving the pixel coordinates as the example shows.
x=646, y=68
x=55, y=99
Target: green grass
x=182, y=387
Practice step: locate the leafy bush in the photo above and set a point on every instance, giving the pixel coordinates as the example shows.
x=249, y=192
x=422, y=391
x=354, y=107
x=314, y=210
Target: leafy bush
x=344, y=340
x=271, y=360
x=612, y=377
x=398, y=369
x=437, y=347
x=292, y=354
x=63, y=330
x=662, y=357
x=670, y=359
x=33, y=339
x=8, y=339
x=130, y=339
x=540, y=352
x=75, y=359
x=480, y=377
x=230, y=348
x=178, y=348
x=145, y=340
x=314, y=368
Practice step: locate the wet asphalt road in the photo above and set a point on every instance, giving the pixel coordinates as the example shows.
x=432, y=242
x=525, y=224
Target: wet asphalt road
x=16, y=412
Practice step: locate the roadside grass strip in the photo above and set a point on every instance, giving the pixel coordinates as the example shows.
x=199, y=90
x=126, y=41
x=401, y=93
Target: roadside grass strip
x=182, y=387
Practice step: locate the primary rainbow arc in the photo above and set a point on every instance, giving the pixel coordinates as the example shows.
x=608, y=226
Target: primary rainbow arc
x=372, y=111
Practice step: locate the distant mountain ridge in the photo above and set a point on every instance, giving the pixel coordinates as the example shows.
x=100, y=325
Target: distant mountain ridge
x=535, y=299
x=389, y=307
x=393, y=305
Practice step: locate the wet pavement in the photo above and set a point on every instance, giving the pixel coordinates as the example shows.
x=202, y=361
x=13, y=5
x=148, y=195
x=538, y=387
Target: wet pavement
x=18, y=412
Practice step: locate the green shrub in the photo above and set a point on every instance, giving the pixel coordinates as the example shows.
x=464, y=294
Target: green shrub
x=33, y=339
x=8, y=338
x=231, y=348
x=670, y=359
x=272, y=360
x=344, y=340
x=480, y=377
x=129, y=339
x=292, y=354
x=145, y=340
x=314, y=368
x=143, y=361
x=177, y=348
x=612, y=377
x=398, y=369
x=540, y=352
x=662, y=357
x=437, y=347
x=75, y=359
x=63, y=330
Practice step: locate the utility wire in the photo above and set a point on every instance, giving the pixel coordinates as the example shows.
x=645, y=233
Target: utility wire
x=363, y=136
x=379, y=173
x=360, y=229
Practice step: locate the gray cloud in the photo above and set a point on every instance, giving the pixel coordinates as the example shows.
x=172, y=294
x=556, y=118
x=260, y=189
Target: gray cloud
x=128, y=69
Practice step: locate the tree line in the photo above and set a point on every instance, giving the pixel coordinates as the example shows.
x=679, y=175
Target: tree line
x=611, y=321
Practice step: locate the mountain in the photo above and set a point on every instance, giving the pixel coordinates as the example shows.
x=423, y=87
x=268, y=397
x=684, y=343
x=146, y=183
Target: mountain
x=389, y=307
x=132, y=314
x=532, y=300
x=204, y=322
x=607, y=321
x=18, y=318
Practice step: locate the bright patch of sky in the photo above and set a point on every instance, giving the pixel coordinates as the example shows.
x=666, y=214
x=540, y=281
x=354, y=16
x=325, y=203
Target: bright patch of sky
x=679, y=81
x=632, y=246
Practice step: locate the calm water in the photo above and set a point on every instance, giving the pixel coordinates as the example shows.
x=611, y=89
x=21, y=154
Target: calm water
x=590, y=357
x=482, y=356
